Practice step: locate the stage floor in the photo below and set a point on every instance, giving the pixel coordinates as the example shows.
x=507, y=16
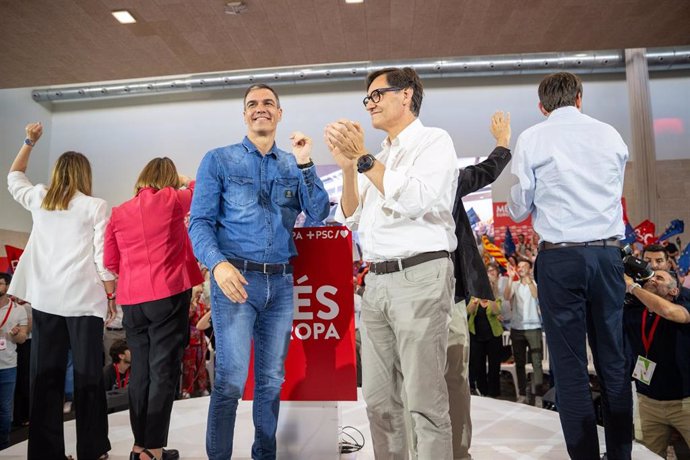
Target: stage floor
x=501, y=430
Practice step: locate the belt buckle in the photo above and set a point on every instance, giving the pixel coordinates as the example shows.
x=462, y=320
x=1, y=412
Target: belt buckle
x=265, y=272
x=400, y=265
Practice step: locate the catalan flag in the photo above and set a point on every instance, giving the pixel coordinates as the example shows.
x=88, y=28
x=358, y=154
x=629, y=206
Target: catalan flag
x=493, y=251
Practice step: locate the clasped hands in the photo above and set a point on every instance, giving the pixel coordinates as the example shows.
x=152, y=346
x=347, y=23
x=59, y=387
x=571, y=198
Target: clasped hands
x=345, y=140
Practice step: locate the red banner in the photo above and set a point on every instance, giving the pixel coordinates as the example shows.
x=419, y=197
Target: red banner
x=4, y=265
x=645, y=232
x=502, y=220
x=320, y=364
x=13, y=255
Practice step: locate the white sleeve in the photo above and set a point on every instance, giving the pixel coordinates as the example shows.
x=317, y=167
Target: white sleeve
x=521, y=200
x=101, y=218
x=23, y=191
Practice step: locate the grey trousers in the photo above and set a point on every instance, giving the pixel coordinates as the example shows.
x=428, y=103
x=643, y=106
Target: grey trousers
x=405, y=322
x=457, y=381
x=522, y=340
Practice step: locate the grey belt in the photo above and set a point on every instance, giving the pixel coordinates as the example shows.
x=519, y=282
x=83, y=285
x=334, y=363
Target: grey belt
x=608, y=243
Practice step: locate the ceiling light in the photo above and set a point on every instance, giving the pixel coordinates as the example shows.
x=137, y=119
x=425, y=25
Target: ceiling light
x=124, y=17
x=354, y=1
x=235, y=8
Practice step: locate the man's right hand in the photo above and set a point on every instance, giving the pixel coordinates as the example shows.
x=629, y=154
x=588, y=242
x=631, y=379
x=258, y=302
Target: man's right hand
x=500, y=128
x=230, y=281
x=342, y=158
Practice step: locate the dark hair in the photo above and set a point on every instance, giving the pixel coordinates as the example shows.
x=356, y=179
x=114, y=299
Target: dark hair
x=260, y=86
x=559, y=90
x=402, y=78
x=655, y=248
x=522, y=259
x=6, y=276
x=118, y=348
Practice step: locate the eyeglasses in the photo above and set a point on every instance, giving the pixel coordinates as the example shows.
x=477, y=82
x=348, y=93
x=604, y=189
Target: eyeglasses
x=375, y=96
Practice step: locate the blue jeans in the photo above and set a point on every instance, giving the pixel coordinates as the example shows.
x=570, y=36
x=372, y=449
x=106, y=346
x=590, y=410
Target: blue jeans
x=8, y=377
x=266, y=317
x=69, y=378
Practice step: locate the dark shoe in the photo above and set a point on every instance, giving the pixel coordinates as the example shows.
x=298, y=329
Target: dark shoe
x=134, y=456
x=172, y=454
x=150, y=455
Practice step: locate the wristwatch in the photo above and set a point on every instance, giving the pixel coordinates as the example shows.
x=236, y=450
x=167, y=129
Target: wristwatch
x=365, y=163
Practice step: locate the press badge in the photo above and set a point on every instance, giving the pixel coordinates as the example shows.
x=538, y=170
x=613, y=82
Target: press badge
x=3, y=343
x=644, y=369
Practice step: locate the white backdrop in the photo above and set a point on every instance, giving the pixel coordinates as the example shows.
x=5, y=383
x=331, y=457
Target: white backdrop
x=121, y=135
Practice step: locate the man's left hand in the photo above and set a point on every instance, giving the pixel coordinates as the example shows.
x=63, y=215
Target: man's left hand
x=348, y=137
x=301, y=147
x=628, y=280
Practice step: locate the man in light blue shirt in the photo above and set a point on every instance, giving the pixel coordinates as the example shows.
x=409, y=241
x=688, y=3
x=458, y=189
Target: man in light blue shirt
x=245, y=204
x=570, y=169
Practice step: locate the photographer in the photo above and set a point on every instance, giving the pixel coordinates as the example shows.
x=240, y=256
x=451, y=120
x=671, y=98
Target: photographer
x=654, y=323
x=658, y=258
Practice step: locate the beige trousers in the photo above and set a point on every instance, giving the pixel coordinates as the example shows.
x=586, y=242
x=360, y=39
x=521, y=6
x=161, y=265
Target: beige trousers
x=405, y=322
x=658, y=417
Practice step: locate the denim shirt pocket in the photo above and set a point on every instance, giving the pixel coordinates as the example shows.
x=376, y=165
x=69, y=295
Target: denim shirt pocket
x=240, y=190
x=285, y=190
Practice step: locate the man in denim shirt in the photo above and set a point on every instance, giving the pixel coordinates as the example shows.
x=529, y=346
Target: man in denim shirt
x=246, y=200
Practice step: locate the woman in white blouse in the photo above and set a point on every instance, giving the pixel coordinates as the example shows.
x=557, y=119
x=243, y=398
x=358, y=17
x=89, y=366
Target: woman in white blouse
x=61, y=273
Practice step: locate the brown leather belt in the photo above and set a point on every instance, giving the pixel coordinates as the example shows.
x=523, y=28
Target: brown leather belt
x=397, y=265
x=608, y=243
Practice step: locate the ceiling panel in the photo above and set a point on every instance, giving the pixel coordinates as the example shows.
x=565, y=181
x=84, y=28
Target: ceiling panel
x=47, y=42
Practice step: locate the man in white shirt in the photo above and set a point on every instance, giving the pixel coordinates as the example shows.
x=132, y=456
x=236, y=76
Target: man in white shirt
x=13, y=330
x=525, y=326
x=401, y=203
x=570, y=169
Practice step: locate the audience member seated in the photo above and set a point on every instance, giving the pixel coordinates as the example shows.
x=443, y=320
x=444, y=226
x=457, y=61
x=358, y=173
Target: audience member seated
x=116, y=374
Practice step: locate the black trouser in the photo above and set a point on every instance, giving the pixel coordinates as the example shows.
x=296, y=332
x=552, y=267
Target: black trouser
x=53, y=335
x=23, y=386
x=157, y=333
x=581, y=291
x=488, y=383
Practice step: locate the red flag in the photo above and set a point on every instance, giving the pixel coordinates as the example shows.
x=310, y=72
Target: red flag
x=645, y=232
x=13, y=255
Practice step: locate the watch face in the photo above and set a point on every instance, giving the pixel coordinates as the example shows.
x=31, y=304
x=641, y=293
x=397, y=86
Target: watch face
x=365, y=163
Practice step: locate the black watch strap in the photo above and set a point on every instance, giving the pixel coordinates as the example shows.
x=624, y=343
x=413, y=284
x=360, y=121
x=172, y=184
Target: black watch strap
x=365, y=163
x=306, y=165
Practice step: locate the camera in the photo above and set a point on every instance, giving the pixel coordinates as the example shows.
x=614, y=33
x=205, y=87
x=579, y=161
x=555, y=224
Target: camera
x=637, y=269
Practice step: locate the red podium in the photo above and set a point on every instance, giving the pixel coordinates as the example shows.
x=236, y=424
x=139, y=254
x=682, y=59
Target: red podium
x=320, y=364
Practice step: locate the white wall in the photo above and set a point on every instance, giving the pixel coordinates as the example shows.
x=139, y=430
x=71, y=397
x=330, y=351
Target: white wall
x=121, y=135
x=16, y=110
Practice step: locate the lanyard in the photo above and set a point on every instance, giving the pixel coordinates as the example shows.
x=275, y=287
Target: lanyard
x=117, y=375
x=7, y=315
x=647, y=340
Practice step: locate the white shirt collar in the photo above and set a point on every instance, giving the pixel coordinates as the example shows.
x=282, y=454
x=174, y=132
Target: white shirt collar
x=405, y=136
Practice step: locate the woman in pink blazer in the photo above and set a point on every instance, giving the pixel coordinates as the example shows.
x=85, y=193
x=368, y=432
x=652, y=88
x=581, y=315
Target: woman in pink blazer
x=146, y=244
